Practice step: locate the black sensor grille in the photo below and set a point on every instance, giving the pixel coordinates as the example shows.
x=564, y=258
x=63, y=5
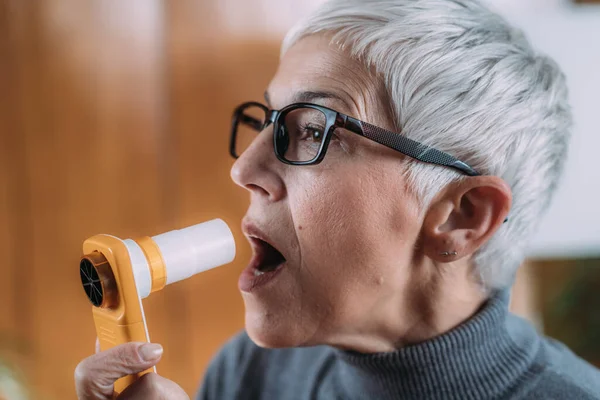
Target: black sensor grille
x=91, y=282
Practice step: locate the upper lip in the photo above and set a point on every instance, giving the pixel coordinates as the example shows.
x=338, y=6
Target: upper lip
x=252, y=231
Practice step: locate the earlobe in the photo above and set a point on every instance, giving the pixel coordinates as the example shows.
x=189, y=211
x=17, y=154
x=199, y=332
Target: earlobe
x=464, y=216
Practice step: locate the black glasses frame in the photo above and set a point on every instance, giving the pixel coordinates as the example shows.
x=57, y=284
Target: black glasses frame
x=335, y=119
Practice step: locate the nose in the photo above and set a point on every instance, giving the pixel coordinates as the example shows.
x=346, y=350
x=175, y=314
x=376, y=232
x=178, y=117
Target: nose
x=258, y=170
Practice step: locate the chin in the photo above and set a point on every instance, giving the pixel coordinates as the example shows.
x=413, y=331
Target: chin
x=268, y=331
x=268, y=340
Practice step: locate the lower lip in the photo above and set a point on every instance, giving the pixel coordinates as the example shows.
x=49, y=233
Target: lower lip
x=249, y=282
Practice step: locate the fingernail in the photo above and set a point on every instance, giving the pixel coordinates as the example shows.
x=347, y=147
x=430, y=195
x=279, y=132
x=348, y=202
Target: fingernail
x=150, y=351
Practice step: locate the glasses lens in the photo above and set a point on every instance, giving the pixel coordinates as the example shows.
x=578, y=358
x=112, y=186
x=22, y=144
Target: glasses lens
x=301, y=135
x=250, y=123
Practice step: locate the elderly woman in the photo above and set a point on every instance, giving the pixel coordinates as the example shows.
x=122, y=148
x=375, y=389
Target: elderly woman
x=405, y=153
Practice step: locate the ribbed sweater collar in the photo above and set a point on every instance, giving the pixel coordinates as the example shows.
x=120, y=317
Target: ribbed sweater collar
x=480, y=359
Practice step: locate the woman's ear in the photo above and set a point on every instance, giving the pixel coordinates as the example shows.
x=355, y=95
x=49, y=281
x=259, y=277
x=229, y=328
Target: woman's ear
x=464, y=216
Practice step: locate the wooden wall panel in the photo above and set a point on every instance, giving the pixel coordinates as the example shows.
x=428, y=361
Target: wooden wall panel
x=210, y=72
x=6, y=125
x=86, y=156
x=7, y=287
x=114, y=118
x=15, y=206
x=8, y=180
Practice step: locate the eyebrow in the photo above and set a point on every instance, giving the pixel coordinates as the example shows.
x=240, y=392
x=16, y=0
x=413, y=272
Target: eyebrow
x=309, y=96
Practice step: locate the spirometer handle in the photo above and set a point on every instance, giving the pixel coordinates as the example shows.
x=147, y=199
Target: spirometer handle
x=111, y=334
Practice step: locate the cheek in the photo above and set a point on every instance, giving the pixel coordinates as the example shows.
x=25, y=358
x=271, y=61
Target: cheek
x=329, y=215
x=353, y=234
x=355, y=242
x=351, y=227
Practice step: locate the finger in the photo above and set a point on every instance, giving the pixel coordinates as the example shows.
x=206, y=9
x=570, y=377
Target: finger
x=153, y=387
x=95, y=376
x=97, y=346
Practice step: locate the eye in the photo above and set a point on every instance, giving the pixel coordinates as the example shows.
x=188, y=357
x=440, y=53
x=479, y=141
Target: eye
x=312, y=132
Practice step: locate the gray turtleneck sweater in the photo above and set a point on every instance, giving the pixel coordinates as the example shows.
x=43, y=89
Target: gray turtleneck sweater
x=494, y=355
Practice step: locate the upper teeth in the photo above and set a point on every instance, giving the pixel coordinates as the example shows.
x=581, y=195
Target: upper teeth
x=257, y=272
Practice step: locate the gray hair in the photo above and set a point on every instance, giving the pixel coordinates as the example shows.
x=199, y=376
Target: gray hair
x=462, y=80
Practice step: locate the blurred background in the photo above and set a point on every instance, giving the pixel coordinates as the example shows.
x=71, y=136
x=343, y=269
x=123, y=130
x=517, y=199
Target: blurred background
x=114, y=118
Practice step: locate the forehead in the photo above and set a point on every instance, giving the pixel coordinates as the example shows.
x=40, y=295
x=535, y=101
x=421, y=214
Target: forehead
x=314, y=65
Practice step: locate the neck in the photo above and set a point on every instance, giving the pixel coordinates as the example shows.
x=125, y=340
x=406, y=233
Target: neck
x=437, y=302
x=479, y=359
x=428, y=306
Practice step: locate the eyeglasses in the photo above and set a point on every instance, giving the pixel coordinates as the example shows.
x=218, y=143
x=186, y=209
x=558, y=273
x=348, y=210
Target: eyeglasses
x=302, y=131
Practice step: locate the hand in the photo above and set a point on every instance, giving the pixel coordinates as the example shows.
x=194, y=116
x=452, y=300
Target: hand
x=95, y=376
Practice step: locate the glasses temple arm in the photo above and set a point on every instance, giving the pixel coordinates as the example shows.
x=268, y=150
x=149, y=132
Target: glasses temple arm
x=405, y=145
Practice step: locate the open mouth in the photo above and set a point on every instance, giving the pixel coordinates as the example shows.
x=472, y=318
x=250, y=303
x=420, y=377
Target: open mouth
x=266, y=257
x=266, y=264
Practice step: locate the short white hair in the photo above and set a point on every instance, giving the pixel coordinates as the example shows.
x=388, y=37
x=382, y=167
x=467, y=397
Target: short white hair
x=462, y=80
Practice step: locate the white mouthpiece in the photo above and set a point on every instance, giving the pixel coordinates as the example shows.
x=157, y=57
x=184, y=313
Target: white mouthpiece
x=195, y=249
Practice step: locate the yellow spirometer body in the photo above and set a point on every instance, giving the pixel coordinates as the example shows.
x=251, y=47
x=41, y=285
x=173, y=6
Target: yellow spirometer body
x=117, y=274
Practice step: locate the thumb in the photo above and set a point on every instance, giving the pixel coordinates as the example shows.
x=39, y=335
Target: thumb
x=95, y=376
